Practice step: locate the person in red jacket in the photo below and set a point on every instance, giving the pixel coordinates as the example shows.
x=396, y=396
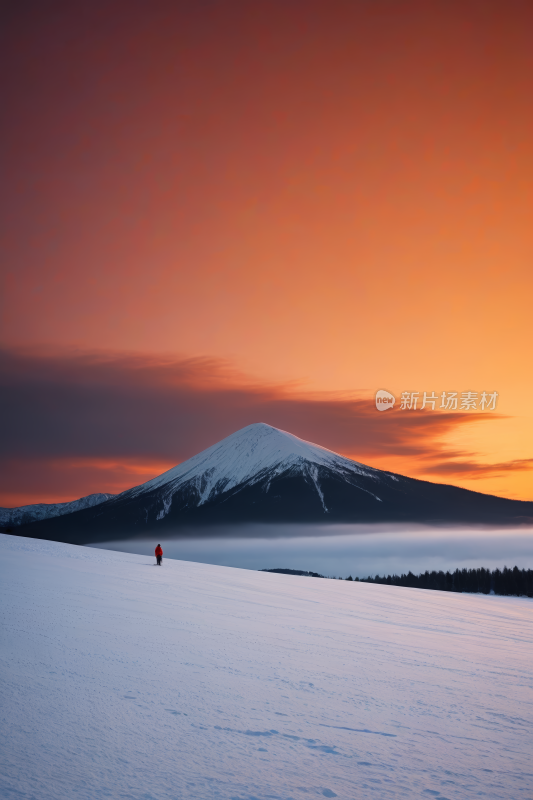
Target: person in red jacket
x=159, y=554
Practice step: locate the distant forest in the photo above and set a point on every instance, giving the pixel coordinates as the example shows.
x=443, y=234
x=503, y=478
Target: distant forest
x=506, y=581
x=500, y=581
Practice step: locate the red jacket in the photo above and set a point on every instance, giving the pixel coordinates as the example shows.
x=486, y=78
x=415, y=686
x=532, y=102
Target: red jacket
x=158, y=551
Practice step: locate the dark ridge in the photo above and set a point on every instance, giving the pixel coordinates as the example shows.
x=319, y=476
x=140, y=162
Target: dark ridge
x=294, y=572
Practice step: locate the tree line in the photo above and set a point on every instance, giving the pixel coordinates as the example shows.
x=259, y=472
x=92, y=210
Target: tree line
x=504, y=581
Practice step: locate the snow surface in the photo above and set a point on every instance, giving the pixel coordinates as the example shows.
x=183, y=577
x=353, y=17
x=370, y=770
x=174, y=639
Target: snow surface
x=124, y=680
x=250, y=455
x=25, y=514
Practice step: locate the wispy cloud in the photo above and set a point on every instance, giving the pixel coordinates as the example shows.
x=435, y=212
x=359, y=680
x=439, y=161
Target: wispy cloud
x=479, y=469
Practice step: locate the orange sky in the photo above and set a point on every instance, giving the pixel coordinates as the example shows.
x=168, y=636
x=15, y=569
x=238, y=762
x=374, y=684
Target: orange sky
x=335, y=194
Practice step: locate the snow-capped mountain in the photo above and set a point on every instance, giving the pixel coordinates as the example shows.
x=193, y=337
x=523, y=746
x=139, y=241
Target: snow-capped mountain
x=258, y=453
x=38, y=511
x=262, y=474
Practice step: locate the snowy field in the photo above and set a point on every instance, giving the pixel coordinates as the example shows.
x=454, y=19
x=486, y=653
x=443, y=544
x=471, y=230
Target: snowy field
x=124, y=680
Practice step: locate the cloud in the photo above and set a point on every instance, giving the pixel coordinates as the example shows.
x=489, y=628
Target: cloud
x=478, y=469
x=93, y=405
x=131, y=416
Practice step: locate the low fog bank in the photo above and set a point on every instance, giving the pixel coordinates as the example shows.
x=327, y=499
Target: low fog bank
x=342, y=550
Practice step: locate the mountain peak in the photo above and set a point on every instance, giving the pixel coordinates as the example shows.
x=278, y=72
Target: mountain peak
x=261, y=429
x=259, y=426
x=247, y=456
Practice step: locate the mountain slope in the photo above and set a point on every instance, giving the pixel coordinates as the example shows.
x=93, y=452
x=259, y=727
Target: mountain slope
x=262, y=474
x=38, y=511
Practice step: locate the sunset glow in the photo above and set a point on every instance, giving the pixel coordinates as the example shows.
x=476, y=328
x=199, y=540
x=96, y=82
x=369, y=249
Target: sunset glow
x=223, y=213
